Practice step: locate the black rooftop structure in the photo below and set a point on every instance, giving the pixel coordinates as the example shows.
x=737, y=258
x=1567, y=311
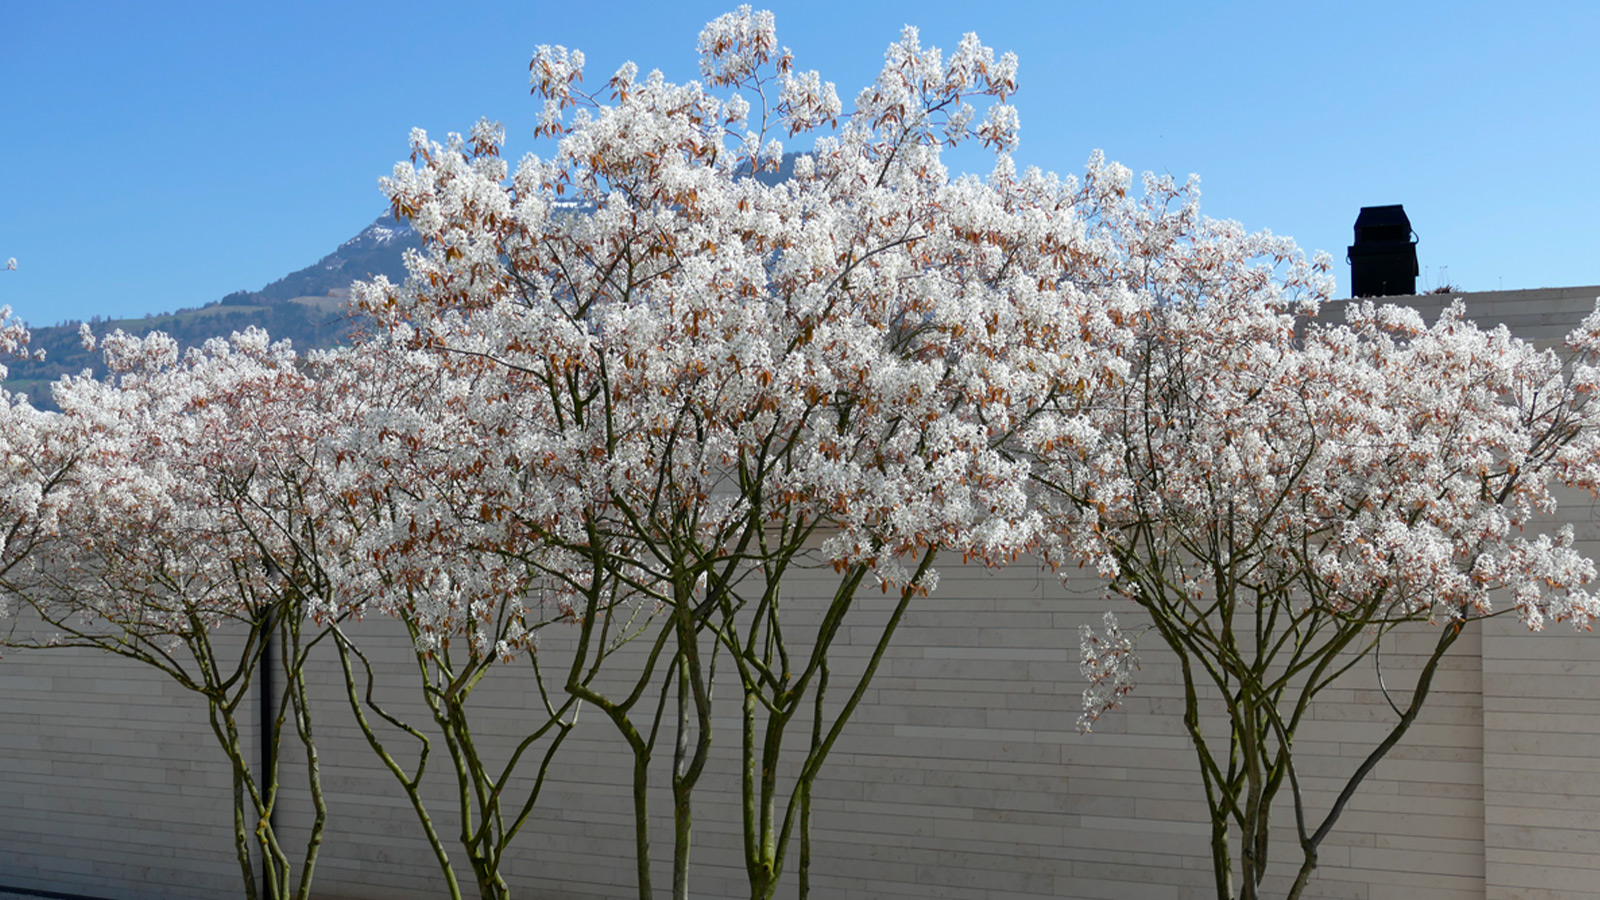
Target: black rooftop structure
x=1383, y=260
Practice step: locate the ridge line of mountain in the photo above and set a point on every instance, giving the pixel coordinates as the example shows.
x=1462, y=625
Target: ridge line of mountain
x=304, y=306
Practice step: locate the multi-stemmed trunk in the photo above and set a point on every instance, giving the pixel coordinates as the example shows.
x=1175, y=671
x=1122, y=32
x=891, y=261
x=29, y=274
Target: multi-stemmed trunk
x=1266, y=698
x=490, y=819
x=227, y=686
x=761, y=656
x=693, y=740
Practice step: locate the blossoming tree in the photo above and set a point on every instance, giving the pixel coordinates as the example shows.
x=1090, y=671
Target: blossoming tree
x=1280, y=494
x=167, y=520
x=689, y=383
x=420, y=483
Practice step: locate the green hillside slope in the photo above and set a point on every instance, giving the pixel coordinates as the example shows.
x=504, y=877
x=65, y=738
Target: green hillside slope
x=305, y=307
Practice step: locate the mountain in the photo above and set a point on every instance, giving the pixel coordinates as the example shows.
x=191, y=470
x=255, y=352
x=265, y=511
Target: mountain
x=378, y=250
x=306, y=307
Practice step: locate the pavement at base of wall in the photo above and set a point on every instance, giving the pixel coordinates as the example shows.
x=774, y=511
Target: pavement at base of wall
x=46, y=895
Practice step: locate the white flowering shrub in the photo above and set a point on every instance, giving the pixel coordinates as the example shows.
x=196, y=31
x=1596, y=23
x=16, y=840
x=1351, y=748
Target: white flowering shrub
x=1279, y=493
x=661, y=386
x=169, y=510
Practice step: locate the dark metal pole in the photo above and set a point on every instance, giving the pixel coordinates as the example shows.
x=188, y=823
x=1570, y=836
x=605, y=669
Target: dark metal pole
x=267, y=744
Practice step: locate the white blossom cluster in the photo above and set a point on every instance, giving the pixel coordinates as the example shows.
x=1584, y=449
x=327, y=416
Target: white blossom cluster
x=1106, y=659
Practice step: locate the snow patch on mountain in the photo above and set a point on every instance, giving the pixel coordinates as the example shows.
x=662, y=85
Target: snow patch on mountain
x=381, y=233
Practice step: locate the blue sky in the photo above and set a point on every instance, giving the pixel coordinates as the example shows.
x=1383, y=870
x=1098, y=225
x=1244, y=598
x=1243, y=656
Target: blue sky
x=160, y=155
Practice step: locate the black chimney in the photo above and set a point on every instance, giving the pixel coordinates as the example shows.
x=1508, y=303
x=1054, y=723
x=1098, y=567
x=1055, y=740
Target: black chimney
x=1383, y=260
